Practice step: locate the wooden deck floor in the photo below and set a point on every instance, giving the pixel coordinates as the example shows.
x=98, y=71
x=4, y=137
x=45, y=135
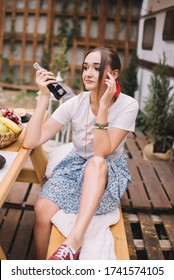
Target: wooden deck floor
x=148, y=209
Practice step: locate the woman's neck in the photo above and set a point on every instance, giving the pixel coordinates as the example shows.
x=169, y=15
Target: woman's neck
x=94, y=102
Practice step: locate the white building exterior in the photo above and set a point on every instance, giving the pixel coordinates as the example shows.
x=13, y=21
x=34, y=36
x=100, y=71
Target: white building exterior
x=156, y=36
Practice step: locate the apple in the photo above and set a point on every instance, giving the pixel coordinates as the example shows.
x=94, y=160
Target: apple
x=3, y=128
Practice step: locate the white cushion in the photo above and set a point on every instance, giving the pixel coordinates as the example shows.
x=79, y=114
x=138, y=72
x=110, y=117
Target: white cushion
x=98, y=234
x=56, y=155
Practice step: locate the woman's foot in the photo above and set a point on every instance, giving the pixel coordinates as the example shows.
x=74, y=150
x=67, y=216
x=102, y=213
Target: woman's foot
x=65, y=252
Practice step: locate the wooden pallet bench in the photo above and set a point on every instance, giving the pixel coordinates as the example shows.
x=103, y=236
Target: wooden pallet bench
x=152, y=180
x=119, y=235
x=150, y=234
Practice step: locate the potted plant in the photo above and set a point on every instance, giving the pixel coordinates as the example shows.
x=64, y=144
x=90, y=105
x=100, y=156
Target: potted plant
x=159, y=113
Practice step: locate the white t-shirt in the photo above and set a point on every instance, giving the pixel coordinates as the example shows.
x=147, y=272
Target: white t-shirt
x=77, y=110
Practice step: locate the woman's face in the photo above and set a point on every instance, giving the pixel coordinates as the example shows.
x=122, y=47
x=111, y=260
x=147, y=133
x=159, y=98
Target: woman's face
x=91, y=70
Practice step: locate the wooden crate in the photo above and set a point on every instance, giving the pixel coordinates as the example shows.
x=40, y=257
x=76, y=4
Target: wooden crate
x=150, y=236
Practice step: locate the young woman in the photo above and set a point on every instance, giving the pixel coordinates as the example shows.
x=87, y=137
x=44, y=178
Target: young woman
x=93, y=176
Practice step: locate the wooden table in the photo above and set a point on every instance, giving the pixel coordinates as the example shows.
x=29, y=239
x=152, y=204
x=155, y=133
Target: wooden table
x=17, y=172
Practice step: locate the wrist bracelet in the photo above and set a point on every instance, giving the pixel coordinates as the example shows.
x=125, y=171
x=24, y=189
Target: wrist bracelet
x=101, y=126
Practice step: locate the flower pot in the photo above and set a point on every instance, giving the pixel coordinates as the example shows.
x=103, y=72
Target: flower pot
x=148, y=154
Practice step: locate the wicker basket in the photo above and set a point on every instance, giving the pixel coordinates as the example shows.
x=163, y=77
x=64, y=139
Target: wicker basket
x=8, y=138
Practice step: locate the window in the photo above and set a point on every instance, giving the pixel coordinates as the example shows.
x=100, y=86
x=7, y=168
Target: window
x=149, y=33
x=168, y=32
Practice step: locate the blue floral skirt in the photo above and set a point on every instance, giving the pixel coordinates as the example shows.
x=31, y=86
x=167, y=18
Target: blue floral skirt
x=65, y=184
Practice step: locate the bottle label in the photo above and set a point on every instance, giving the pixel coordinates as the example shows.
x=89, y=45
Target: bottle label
x=56, y=89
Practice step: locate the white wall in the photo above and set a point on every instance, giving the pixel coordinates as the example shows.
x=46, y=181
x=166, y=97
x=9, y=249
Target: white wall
x=155, y=5
x=156, y=53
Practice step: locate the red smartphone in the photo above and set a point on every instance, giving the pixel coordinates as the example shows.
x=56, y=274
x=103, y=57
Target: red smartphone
x=118, y=89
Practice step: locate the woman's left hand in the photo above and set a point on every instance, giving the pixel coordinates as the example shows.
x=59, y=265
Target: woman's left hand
x=107, y=98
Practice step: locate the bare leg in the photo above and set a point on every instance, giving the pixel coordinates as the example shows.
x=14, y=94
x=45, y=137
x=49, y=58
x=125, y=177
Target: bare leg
x=44, y=210
x=95, y=179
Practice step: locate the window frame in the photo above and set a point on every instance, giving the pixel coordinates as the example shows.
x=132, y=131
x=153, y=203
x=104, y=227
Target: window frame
x=149, y=24
x=168, y=27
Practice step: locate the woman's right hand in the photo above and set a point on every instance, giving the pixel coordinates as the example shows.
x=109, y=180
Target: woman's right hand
x=43, y=79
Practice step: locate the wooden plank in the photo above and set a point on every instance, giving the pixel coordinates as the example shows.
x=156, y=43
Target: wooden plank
x=153, y=186
x=33, y=195
x=117, y=24
x=39, y=161
x=125, y=201
x=150, y=237
x=23, y=42
x=22, y=87
x=131, y=135
x=171, y=166
x=35, y=40
x=88, y=26
x=47, y=36
x=102, y=22
x=128, y=30
x=2, y=28
x=2, y=214
x=136, y=189
x=164, y=244
x=140, y=134
x=130, y=241
x=8, y=228
x=12, y=35
x=168, y=222
x=8, y=181
x=17, y=193
x=56, y=238
x=142, y=142
x=120, y=239
x=22, y=239
x=133, y=218
x=31, y=254
x=27, y=175
x=133, y=149
x=2, y=255
x=166, y=176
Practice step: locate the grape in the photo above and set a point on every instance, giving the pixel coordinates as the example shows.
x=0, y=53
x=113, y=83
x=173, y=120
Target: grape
x=9, y=113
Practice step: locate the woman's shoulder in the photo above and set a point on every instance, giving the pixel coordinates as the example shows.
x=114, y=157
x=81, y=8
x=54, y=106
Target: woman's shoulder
x=127, y=100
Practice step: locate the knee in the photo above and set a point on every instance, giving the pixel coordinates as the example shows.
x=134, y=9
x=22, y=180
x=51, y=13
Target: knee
x=99, y=164
x=40, y=208
x=44, y=209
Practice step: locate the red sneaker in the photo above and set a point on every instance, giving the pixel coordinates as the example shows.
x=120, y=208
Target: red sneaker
x=65, y=252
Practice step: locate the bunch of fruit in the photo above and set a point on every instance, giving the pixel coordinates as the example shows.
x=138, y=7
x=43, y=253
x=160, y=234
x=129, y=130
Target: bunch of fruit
x=9, y=121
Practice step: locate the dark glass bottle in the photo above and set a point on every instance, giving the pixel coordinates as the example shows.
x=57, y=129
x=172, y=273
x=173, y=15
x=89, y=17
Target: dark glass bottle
x=57, y=90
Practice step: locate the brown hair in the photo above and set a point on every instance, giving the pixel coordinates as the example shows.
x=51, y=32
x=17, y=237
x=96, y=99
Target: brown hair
x=108, y=57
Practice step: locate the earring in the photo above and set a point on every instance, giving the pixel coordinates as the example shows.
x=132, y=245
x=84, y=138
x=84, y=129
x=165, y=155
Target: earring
x=118, y=89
